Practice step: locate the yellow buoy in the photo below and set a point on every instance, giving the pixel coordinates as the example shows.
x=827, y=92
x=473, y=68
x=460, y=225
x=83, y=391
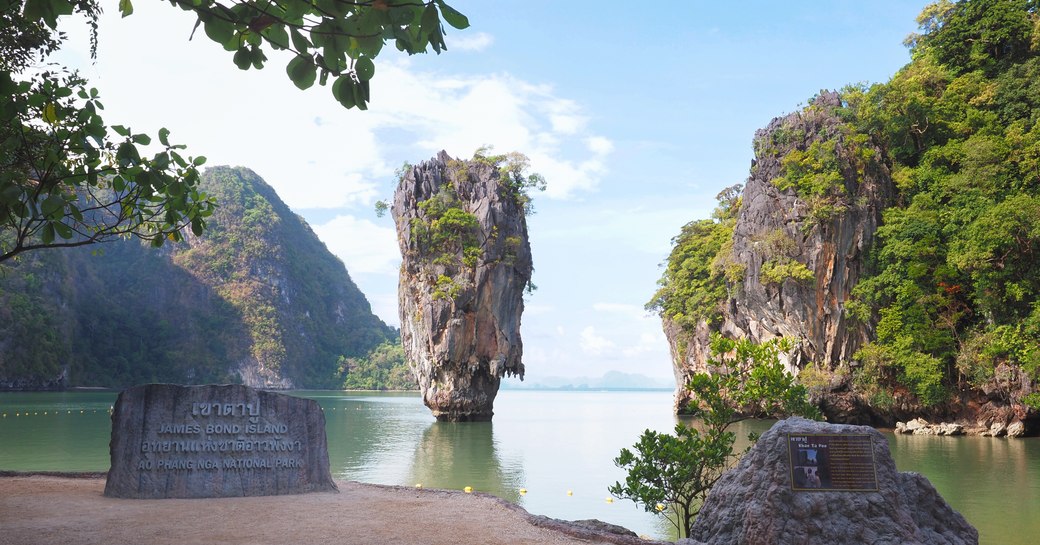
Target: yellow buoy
x=570, y=492
x=610, y=500
x=418, y=485
x=468, y=489
x=523, y=491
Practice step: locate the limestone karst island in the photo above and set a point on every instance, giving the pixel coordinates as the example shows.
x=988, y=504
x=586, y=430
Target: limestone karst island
x=453, y=272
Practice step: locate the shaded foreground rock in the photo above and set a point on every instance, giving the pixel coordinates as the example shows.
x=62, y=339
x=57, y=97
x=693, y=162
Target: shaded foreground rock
x=755, y=504
x=466, y=263
x=171, y=441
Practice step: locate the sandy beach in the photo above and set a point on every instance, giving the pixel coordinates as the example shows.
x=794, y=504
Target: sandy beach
x=52, y=510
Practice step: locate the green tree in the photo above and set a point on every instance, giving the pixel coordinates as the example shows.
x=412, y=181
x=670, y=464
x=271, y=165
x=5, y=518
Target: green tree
x=66, y=178
x=985, y=35
x=69, y=179
x=694, y=284
x=676, y=472
x=385, y=367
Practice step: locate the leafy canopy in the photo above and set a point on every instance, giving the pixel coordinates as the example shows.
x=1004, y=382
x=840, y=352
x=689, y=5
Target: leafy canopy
x=335, y=40
x=66, y=177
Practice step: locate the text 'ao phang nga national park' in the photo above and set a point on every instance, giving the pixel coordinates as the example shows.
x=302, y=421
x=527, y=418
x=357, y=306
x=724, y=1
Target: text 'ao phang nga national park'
x=853, y=329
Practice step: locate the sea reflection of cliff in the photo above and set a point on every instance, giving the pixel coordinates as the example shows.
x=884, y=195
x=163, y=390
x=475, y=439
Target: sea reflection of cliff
x=455, y=455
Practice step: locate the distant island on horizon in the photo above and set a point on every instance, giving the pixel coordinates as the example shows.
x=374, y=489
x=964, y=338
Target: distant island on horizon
x=611, y=380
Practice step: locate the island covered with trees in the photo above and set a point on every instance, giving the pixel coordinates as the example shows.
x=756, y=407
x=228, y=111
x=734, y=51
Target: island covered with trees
x=893, y=232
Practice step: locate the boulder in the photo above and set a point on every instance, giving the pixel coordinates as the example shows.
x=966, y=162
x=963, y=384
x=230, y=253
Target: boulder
x=756, y=502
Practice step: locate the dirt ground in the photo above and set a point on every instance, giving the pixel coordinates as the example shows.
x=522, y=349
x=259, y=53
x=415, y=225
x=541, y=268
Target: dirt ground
x=55, y=510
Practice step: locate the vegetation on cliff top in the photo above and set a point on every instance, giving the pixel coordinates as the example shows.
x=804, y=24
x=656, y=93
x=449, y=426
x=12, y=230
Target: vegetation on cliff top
x=446, y=234
x=955, y=283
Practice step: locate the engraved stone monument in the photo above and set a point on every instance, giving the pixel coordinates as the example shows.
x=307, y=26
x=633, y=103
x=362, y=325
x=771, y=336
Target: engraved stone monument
x=171, y=441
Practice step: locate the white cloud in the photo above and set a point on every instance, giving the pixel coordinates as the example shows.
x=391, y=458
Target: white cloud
x=362, y=245
x=634, y=311
x=649, y=343
x=315, y=153
x=599, y=145
x=470, y=42
x=593, y=344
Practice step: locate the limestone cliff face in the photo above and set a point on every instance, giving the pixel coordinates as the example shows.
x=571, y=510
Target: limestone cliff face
x=257, y=299
x=799, y=246
x=800, y=255
x=466, y=264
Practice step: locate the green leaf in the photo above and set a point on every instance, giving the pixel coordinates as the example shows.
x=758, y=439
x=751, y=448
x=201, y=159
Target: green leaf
x=64, y=231
x=48, y=233
x=361, y=94
x=142, y=139
x=220, y=31
x=243, y=59
x=302, y=71
x=365, y=68
x=343, y=90
x=454, y=18
x=299, y=42
x=431, y=22
x=370, y=46
x=277, y=36
x=164, y=135
x=121, y=130
x=53, y=207
x=126, y=8
x=48, y=10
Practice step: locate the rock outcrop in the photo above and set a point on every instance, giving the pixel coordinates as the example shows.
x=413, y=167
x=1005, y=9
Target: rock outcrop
x=807, y=220
x=756, y=503
x=257, y=299
x=827, y=236
x=466, y=263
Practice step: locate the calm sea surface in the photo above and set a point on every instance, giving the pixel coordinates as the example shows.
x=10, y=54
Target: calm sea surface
x=559, y=446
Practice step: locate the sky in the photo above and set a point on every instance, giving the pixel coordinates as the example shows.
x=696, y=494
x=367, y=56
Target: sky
x=637, y=114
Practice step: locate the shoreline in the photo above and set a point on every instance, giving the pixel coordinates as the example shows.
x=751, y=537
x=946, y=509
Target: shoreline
x=58, y=507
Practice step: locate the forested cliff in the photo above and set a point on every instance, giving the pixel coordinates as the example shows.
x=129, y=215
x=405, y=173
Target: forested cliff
x=893, y=231
x=257, y=299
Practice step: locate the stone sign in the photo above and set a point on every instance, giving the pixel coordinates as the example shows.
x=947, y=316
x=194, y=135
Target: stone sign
x=832, y=462
x=756, y=503
x=172, y=441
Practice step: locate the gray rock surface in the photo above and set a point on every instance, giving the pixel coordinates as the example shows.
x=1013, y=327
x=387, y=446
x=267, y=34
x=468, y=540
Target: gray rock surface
x=754, y=504
x=920, y=426
x=461, y=340
x=171, y=441
x=779, y=226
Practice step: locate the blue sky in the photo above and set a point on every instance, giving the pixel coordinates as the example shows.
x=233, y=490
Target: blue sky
x=637, y=114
